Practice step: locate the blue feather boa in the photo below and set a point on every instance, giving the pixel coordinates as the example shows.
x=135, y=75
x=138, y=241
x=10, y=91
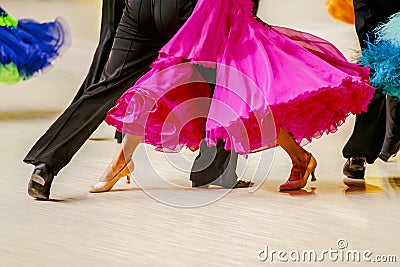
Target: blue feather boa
x=383, y=57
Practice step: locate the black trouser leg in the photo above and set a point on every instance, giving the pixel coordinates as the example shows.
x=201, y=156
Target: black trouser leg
x=140, y=35
x=118, y=136
x=391, y=145
x=110, y=16
x=216, y=163
x=370, y=127
x=75, y=125
x=255, y=8
x=369, y=131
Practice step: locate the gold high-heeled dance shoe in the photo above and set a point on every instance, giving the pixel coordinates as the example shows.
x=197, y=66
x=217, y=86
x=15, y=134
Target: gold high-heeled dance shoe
x=296, y=181
x=106, y=186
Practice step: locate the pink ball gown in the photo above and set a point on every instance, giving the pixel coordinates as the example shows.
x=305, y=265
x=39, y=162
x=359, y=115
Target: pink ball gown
x=267, y=77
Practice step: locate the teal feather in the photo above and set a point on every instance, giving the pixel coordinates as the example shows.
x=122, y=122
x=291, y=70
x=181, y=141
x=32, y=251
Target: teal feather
x=390, y=31
x=383, y=58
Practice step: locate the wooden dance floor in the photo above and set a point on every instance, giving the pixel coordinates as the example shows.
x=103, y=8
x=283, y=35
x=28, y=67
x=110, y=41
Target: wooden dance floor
x=160, y=220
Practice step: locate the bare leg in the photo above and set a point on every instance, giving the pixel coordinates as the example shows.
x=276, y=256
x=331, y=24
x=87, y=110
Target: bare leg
x=303, y=162
x=297, y=154
x=121, y=165
x=122, y=156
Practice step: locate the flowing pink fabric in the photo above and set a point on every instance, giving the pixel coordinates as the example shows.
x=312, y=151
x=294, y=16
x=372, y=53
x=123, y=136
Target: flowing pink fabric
x=268, y=77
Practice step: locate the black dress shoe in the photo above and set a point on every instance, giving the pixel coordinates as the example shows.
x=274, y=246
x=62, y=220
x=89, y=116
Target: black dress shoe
x=355, y=168
x=40, y=183
x=239, y=184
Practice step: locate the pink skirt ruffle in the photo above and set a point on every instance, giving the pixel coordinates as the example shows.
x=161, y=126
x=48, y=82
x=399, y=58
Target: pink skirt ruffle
x=267, y=78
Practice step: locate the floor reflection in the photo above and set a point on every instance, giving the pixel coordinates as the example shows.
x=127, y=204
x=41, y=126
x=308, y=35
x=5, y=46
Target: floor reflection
x=371, y=185
x=394, y=182
x=301, y=192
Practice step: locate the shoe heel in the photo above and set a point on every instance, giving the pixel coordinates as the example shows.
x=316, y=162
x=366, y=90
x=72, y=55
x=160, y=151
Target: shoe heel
x=313, y=178
x=296, y=184
x=38, y=179
x=101, y=187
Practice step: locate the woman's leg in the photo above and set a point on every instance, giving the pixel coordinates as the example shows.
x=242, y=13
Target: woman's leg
x=149, y=25
x=121, y=165
x=122, y=157
x=303, y=162
x=297, y=154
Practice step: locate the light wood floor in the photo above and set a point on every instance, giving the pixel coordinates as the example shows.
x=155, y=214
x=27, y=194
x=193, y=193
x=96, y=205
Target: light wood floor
x=134, y=227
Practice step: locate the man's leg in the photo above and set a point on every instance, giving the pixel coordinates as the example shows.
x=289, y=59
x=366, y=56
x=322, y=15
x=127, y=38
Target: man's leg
x=110, y=16
x=128, y=61
x=368, y=134
x=369, y=130
x=39, y=186
x=367, y=138
x=70, y=131
x=215, y=165
x=391, y=145
x=135, y=47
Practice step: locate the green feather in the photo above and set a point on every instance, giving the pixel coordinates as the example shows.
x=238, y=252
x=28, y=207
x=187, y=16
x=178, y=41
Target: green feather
x=9, y=74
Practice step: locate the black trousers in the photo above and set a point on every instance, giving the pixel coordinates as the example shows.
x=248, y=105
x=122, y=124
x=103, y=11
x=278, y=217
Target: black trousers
x=145, y=26
x=216, y=163
x=370, y=127
x=110, y=16
x=391, y=144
